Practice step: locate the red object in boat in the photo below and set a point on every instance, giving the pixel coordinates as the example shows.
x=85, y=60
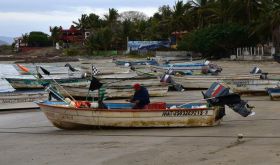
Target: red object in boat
x=157, y=105
x=82, y=104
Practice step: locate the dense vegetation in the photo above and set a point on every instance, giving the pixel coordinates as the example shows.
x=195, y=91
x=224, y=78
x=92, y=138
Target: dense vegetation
x=38, y=39
x=214, y=27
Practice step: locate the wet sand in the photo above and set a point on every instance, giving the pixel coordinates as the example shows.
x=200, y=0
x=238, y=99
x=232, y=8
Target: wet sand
x=28, y=138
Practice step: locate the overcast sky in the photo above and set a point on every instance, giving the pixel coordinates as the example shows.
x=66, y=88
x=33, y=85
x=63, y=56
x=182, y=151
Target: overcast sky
x=22, y=16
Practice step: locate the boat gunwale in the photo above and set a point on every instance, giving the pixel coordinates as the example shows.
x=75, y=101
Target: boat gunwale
x=126, y=110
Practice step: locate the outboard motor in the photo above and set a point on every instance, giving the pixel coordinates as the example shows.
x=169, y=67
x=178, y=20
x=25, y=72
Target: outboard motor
x=217, y=94
x=214, y=69
x=256, y=70
x=211, y=68
x=166, y=78
x=263, y=76
x=170, y=71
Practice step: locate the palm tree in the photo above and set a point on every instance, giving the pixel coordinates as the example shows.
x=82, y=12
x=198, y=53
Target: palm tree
x=199, y=11
x=55, y=34
x=221, y=11
x=178, y=16
x=93, y=21
x=112, y=17
x=267, y=26
x=25, y=38
x=248, y=10
x=82, y=22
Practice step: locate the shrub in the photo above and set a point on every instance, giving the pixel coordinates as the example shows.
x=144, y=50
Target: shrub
x=39, y=39
x=71, y=52
x=216, y=41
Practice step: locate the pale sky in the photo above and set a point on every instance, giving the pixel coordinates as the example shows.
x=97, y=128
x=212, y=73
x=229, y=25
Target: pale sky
x=22, y=16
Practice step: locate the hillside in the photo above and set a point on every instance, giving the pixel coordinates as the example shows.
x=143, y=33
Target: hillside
x=3, y=42
x=38, y=55
x=7, y=40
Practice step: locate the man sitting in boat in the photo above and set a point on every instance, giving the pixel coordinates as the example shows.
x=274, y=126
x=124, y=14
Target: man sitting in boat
x=140, y=98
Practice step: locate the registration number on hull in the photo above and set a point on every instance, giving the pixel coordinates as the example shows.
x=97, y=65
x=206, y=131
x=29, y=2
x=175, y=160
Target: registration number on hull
x=187, y=113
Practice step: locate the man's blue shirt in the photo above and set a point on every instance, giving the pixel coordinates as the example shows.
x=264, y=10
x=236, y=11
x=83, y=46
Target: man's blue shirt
x=143, y=96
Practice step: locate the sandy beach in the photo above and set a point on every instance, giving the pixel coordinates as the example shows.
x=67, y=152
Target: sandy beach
x=28, y=138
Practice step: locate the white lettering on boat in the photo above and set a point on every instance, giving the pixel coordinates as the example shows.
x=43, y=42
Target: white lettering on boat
x=187, y=113
x=238, y=83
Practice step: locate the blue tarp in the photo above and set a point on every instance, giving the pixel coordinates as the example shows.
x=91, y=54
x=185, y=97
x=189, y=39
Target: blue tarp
x=147, y=45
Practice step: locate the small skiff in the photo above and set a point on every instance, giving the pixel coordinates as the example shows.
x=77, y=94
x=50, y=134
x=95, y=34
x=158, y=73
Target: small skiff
x=33, y=83
x=250, y=86
x=114, y=89
x=122, y=115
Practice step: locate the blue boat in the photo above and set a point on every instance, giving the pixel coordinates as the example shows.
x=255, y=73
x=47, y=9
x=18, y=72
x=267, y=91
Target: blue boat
x=133, y=63
x=187, y=67
x=274, y=93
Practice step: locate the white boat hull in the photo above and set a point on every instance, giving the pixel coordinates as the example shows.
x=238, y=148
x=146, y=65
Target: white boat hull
x=250, y=85
x=65, y=117
x=204, y=82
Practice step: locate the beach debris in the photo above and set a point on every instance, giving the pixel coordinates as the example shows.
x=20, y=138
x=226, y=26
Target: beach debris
x=239, y=137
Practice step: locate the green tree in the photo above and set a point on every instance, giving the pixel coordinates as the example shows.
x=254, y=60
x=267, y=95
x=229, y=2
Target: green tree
x=101, y=40
x=267, y=26
x=198, y=11
x=112, y=17
x=216, y=40
x=133, y=16
x=38, y=39
x=25, y=38
x=55, y=33
x=91, y=21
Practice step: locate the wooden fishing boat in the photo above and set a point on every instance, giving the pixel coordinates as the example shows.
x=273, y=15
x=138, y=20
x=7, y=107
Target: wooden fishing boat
x=180, y=67
x=173, y=56
x=71, y=114
x=30, y=82
x=22, y=96
x=274, y=93
x=53, y=69
x=105, y=69
x=124, y=76
x=122, y=115
x=204, y=81
x=125, y=92
x=250, y=86
x=116, y=89
x=133, y=63
x=195, y=82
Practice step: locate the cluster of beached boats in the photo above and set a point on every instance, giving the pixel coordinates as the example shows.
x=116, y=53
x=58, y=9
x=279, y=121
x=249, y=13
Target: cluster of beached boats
x=118, y=77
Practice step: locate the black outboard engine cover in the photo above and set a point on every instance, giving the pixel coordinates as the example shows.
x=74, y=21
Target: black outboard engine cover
x=264, y=76
x=256, y=70
x=217, y=94
x=166, y=78
x=216, y=90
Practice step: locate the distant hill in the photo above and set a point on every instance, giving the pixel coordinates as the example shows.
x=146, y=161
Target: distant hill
x=3, y=43
x=6, y=40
